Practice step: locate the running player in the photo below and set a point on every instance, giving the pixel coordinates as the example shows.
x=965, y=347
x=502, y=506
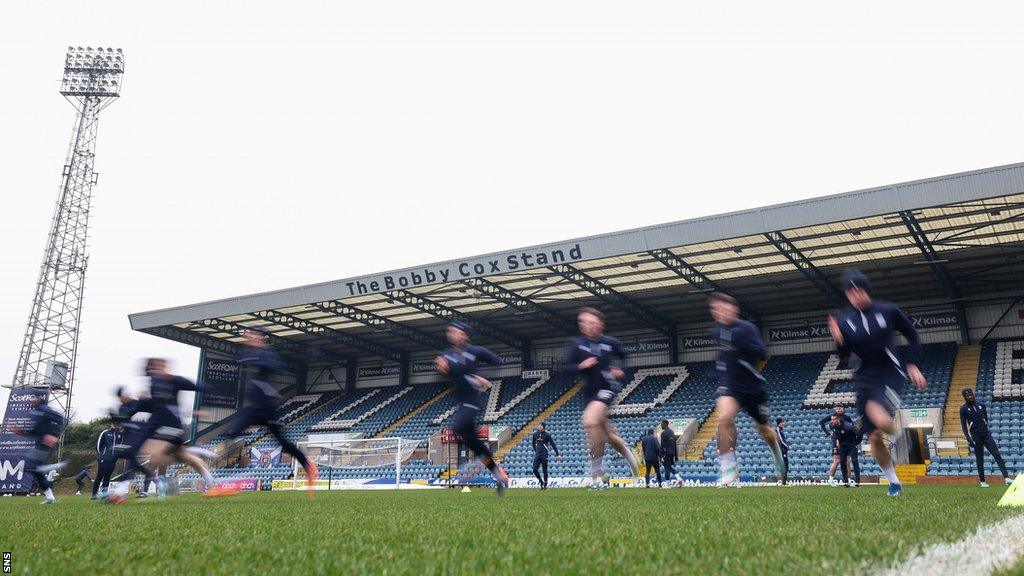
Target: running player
x=598, y=358
x=262, y=402
x=460, y=362
x=826, y=427
x=165, y=443
x=133, y=435
x=867, y=328
x=741, y=385
x=47, y=425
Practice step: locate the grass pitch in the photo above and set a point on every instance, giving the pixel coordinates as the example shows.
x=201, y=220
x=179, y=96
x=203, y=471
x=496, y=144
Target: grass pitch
x=772, y=530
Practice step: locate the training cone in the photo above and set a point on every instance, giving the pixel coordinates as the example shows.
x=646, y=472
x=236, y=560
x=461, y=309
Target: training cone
x=466, y=489
x=1014, y=495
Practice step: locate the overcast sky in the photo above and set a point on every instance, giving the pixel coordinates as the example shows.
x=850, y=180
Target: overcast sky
x=261, y=145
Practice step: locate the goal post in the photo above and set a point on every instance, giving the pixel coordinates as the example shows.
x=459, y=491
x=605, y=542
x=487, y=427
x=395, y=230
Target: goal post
x=356, y=454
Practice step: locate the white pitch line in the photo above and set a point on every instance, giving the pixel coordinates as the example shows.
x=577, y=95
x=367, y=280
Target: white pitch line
x=990, y=548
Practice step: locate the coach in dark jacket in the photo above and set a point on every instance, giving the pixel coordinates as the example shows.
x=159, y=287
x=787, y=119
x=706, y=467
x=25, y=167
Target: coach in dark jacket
x=669, y=452
x=651, y=452
x=105, y=456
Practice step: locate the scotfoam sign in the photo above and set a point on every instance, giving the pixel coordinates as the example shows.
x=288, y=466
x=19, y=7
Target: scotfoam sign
x=220, y=377
x=15, y=449
x=792, y=333
x=466, y=269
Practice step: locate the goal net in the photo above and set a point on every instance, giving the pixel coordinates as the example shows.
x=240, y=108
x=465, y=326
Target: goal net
x=358, y=454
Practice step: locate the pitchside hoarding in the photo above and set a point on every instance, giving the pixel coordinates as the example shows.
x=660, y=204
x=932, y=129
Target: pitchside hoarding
x=819, y=330
x=221, y=378
x=14, y=448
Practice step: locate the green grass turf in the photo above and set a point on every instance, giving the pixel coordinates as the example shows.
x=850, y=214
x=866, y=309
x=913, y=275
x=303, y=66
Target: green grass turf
x=774, y=530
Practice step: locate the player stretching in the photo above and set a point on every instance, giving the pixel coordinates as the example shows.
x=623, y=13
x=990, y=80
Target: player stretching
x=461, y=362
x=262, y=403
x=866, y=328
x=47, y=425
x=741, y=385
x=595, y=357
x=165, y=443
x=826, y=427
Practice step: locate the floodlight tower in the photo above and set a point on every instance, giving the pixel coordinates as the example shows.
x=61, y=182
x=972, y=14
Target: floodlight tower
x=92, y=80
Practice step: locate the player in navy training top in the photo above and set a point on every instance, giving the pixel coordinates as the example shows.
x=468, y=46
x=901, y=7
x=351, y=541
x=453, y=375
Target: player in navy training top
x=166, y=440
x=262, y=401
x=826, y=427
x=741, y=351
x=539, y=441
x=460, y=362
x=597, y=359
x=974, y=421
x=47, y=425
x=848, y=438
x=867, y=329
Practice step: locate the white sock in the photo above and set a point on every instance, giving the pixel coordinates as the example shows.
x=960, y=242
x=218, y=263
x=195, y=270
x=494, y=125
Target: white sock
x=48, y=494
x=207, y=477
x=631, y=458
x=727, y=460
x=890, y=474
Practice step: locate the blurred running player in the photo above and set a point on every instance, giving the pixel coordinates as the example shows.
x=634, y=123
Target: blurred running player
x=166, y=439
x=597, y=358
x=262, y=403
x=867, y=328
x=741, y=351
x=47, y=425
x=133, y=435
x=460, y=362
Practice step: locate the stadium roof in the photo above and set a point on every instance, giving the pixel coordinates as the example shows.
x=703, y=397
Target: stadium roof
x=948, y=239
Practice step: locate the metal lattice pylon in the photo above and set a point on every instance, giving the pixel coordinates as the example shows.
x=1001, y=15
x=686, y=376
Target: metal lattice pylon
x=92, y=78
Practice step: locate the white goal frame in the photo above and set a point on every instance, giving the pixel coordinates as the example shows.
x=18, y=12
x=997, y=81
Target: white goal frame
x=352, y=456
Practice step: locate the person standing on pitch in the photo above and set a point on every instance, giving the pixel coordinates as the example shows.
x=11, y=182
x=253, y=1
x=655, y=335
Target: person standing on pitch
x=651, y=453
x=741, y=385
x=460, y=362
x=597, y=359
x=106, y=458
x=669, y=453
x=540, y=441
x=867, y=328
x=262, y=403
x=80, y=479
x=848, y=437
x=47, y=425
x=974, y=421
x=780, y=426
x=826, y=427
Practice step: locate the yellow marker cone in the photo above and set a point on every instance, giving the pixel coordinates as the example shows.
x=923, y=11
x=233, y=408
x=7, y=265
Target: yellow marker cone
x=1014, y=495
x=466, y=489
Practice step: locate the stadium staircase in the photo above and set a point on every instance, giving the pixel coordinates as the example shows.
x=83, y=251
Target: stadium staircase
x=530, y=426
x=965, y=375
x=908, y=473
x=415, y=412
x=705, y=434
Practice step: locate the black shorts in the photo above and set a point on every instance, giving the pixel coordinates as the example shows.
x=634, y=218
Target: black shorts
x=835, y=447
x=603, y=395
x=754, y=403
x=885, y=395
x=173, y=432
